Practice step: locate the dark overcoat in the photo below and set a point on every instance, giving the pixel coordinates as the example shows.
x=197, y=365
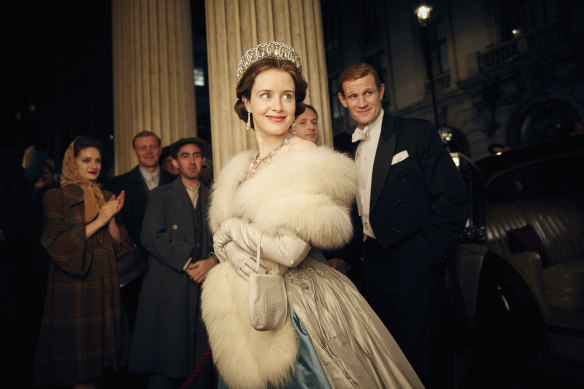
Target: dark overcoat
x=83, y=328
x=169, y=336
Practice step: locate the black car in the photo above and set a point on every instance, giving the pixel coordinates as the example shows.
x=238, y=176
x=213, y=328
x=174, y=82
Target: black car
x=517, y=282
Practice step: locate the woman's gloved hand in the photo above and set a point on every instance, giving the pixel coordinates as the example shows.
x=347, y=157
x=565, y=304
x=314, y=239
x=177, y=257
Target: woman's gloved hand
x=285, y=248
x=242, y=261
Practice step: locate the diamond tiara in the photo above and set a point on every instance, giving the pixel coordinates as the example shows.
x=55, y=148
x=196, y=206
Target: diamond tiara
x=268, y=49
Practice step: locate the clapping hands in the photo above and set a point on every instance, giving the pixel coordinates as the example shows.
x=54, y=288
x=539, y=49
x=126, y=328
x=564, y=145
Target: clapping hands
x=111, y=208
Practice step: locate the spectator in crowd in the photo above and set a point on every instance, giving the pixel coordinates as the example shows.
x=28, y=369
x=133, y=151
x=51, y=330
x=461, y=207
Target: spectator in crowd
x=83, y=330
x=136, y=184
x=166, y=159
x=307, y=124
x=169, y=336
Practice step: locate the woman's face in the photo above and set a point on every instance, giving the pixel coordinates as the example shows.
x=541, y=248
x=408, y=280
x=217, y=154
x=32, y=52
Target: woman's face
x=272, y=102
x=88, y=163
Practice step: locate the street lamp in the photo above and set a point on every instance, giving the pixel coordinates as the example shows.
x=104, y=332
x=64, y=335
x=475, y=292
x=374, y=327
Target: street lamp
x=423, y=13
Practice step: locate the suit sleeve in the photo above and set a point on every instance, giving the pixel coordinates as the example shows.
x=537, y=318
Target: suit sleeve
x=112, y=185
x=65, y=242
x=450, y=207
x=350, y=252
x=158, y=238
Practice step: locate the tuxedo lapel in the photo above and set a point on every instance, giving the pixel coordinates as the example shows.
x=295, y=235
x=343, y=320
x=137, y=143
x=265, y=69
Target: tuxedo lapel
x=383, y=155
x=353, y=149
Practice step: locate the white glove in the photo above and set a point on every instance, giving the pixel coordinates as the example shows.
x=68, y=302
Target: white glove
x=286, y=248
x=242, y=261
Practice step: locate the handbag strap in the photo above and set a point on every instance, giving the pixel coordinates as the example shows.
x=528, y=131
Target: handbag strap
x=258, y=254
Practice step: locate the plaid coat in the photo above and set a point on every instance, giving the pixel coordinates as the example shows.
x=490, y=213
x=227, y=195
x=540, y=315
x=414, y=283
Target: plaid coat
x=83, y=328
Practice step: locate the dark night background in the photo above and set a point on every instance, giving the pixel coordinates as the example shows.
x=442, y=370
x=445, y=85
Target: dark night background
x=58, y=75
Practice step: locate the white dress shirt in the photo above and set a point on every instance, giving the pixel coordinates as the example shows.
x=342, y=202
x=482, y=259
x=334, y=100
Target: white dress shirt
x=193, y=192
x=151, y=180
x=364, y=158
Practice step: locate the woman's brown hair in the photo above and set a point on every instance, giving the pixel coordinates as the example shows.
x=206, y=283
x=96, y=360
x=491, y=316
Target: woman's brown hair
x=84, y=142
x=245, y=84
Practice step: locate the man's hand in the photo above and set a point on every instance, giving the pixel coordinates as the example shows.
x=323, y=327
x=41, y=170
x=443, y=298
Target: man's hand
x=198, y=271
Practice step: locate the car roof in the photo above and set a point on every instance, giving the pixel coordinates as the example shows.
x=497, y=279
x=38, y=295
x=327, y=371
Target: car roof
x=496, y=165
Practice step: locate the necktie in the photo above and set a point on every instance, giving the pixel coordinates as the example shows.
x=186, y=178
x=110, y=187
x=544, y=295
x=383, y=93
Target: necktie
x=151, y=183
x=358, y=135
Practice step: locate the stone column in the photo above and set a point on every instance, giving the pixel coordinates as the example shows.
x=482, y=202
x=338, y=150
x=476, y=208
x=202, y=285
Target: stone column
x=234, y=26
x=153, y=73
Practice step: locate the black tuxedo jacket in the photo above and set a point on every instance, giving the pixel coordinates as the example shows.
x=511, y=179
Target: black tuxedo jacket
x=419, y=202
x=136, y=198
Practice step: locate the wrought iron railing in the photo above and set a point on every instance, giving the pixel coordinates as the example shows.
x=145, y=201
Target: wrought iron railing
x=531, y=42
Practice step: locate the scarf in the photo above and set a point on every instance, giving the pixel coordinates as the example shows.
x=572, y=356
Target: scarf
x=92, y=196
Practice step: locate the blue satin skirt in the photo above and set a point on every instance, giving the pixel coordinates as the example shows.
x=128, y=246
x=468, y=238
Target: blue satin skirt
x=308, y=373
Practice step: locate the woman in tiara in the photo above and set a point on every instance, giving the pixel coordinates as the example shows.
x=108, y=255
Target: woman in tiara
x=271, y=211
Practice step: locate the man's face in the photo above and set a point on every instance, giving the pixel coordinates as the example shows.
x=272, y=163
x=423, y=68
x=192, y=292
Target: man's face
x=189, y=161
x=362, y=99
x=147, y=150
x=168, y=165
x=307, y=125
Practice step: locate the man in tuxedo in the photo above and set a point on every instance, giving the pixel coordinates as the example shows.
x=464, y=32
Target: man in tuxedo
x=411, y=205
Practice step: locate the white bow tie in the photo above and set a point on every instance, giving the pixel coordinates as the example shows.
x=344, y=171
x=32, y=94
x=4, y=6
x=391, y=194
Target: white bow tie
x=360, y=135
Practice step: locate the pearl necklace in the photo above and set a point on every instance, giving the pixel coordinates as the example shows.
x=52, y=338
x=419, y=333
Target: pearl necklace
x=253, y=166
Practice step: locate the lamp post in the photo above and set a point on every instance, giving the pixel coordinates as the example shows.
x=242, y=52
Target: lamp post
x=423, y=13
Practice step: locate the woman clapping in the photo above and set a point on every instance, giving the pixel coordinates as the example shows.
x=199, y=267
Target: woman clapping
x=83, y=329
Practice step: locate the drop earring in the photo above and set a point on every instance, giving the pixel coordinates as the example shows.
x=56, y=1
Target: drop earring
x=248, y=124
x=293, y=126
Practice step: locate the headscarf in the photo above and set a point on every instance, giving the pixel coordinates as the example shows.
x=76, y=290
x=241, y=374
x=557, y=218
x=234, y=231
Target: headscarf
x=92, y=196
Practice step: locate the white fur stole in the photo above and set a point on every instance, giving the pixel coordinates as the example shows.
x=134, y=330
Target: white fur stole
x=306, y=191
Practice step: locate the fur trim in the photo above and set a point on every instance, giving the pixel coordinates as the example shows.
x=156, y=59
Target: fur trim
x=306, y=191
x=245, y=358
x=225, y=186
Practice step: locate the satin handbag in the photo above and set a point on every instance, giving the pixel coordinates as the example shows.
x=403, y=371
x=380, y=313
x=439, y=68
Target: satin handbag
x=267, y=299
